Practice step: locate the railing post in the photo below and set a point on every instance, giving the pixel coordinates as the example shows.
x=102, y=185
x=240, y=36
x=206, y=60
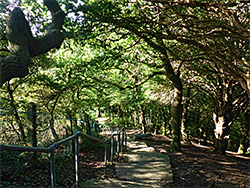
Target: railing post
x=126, y=141
x=122, y=148
x=118, y=144
x=52, y=166
x=105, y=155
x=77, y=159
x=112, y=149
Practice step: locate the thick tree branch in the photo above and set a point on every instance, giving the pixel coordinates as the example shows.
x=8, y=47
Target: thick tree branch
x=4, y=50
x=144, y=81
x=23, y=45
x=242, y=77
x=129, y=86
x=158, y=46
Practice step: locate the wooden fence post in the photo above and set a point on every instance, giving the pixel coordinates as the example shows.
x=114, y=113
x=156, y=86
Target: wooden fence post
x=31, y=117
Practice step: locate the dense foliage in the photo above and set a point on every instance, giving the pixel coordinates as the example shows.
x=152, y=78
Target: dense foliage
x=179, y=68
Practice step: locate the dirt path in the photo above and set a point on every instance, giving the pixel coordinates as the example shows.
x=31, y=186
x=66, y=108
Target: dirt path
x=197, y=166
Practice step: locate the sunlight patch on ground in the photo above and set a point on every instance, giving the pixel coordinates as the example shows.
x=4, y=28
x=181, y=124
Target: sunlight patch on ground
x=226, y=163
x=237, y=155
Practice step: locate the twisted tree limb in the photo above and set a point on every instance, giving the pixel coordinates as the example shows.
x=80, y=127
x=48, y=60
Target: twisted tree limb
x=23, y=45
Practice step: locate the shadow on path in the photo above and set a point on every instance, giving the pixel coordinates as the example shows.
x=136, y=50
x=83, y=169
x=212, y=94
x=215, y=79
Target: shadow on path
x=141, y=167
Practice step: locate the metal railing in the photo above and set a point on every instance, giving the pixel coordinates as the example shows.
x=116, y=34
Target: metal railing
x=51, y=150
x=121, y=142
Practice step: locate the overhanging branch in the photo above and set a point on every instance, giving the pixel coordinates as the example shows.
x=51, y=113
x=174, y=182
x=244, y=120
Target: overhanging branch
x=120, y=87
x=23, y=45
x=144, y=81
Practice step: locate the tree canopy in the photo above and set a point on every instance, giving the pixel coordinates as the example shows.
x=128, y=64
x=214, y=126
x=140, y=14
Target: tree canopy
x=179, y=68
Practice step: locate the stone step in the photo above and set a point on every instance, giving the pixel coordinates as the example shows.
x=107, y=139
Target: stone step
x=145, y=167
x=114, y=183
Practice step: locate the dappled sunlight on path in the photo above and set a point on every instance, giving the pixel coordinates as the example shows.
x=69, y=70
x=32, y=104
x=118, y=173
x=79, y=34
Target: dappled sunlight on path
x=141, y=167
x=144, y=165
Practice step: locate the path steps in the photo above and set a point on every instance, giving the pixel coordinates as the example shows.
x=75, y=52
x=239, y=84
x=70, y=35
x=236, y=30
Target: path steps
x=114, y=183
x=142, y=167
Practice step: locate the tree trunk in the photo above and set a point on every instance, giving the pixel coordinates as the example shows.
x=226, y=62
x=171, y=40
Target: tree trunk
x=99, y=112
x=175, y=121
x=150, y=123
x=70, y=119
x=153, y=122
x=166, y=122
x=231, y=99
x=138, y=118
x=87, y=122
x=222, y=131
x=176, y=114
x=158, y=120
x=51, y=124
x=119, y=112
x=221, y=146
x=184, y=122
x=142, y=119
x=244, y=133
x=126, y=116
x=16, y=115
x=32, y=116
